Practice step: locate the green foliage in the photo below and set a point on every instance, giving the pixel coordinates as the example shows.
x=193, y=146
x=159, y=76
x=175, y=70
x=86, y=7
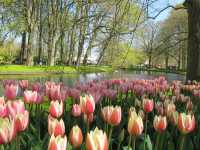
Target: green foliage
x=123, y=55
x=8, y=52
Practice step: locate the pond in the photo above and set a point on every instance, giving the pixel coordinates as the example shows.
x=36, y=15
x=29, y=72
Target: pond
x=71, y=79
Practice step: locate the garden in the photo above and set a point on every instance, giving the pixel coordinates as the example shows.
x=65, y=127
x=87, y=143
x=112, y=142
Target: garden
x=99, y=75
x=106, y=114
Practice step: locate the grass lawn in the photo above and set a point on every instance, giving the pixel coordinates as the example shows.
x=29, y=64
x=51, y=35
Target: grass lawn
x=22, y=69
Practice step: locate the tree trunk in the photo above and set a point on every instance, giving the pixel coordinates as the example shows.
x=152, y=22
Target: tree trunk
x=179, y=57
x=193, y=58
x=40, y=34
x=72, y=45
x=29, y=61
x=150, y=59
x=23, y=47
x=166, y=61
x=62, y=46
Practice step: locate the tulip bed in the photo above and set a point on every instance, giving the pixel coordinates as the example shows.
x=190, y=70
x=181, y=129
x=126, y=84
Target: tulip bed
x=99, y=115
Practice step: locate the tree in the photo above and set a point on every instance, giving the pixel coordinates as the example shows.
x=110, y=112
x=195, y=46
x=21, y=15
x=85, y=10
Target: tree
x=193, y=59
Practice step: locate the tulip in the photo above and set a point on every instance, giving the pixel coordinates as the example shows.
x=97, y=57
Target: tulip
x=39, y=99
x=57, y=143
x=96, y=140
x=54, y=91
x=186, y=123
x=7, y=130
x=88, y=118
x=174, y=118
x=15, y=107
x=74, y=93
x=148, y=105
x=10, y=91
x=55, y=127
x=22, y=121
x=75, y=137
x=76, y=110
x=112, y=115
x=135, y=124
x=30, y=96
x=3, y=108
x=189, y=105
x=87, y=104
x=36, y=87
x=160, y=123
x=23, y=84
x=56, y=108
x=169, y=109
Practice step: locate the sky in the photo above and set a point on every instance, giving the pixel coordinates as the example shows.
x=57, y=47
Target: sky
x=160, y=4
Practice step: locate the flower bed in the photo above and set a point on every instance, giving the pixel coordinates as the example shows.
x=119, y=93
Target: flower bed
x=100, y=115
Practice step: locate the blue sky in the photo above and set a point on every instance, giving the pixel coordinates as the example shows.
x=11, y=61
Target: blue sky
x=160, y=4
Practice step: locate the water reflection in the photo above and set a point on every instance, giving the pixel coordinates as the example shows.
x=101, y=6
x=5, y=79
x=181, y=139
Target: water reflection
x=71, y=79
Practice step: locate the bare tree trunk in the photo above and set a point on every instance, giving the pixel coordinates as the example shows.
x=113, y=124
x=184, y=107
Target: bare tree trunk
x=150, y=58
x=72, y=44
x=29, y=60
x=61, y=46
x=23, y=47
x=40, y=34
x=166, y=61
x=193, y=58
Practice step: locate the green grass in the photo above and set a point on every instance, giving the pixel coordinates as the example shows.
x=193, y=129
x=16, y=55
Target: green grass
x=22, y=69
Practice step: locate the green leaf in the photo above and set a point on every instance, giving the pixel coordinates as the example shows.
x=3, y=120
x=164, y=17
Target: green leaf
x=149, y=144
x=170, y=146
x=126, y=148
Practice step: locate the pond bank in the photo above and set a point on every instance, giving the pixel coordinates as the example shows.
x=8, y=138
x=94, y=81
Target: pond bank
x=162, y=70
x=22, y=69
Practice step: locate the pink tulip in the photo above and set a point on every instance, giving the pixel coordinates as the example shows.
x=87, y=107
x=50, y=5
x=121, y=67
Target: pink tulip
x=54, y=91
x=23, y=84
x=22, y=121
x=30, y=97
x=7, y=130
x=76, y=110
x=76, y=137
x=87, y=104
x=40, y=98
x=148, y=105
x=3, y=108
x=55, y=127
x=15, y=107
x=88, y=118
x=56, y=108
x=10, y=91
x=8, y=82
x=57, y=143
x=160, y=123
x=74, y=93
x=112, y=115
x=36, y=87
x=186, y=123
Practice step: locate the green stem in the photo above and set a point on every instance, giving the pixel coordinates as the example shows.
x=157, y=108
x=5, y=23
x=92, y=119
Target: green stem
x=133, y=140
x=88, y=127
x=145, y=133
x=118, y=147
x=2, y=147
x=181, y=147
x=157, y=141
x=18, y=142
x=110, y=135
x=129, y=142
